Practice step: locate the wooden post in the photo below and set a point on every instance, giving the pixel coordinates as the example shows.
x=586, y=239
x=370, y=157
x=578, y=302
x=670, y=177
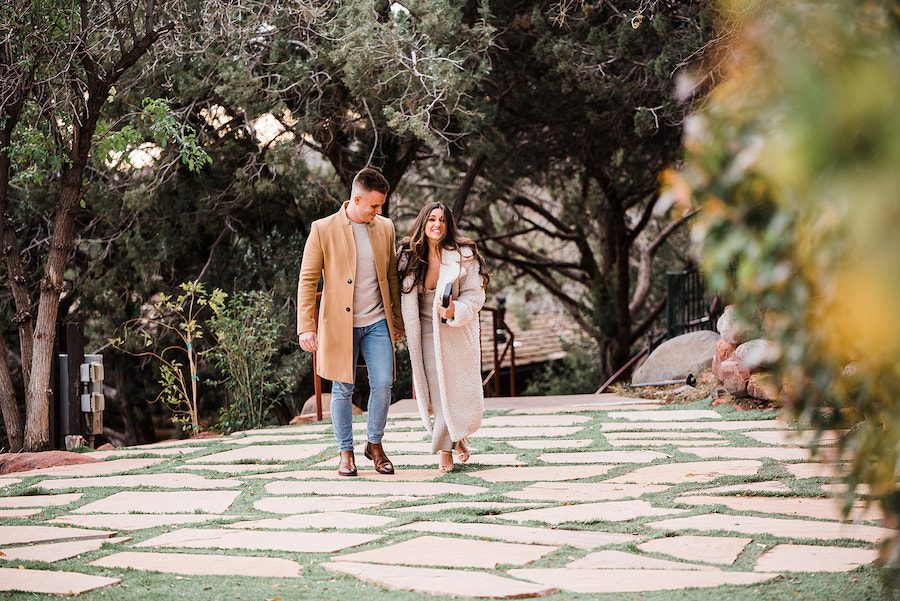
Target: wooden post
x=74, y=359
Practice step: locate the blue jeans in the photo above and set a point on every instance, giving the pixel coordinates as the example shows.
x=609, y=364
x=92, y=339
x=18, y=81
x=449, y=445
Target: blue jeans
x=378, y=350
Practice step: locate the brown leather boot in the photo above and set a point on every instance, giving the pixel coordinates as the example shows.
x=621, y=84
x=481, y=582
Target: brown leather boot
x=375, y=452
x=347, y=465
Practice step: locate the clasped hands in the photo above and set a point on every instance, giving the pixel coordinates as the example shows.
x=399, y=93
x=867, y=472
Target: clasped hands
x=448, y=312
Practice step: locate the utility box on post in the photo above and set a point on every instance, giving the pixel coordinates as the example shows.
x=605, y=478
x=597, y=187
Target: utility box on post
x=92, y=400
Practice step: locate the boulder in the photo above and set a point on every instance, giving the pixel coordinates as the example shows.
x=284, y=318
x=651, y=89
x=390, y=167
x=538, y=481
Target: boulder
x=757, y=353
x=724, y=350
x=734, y=377
x=22, y=462
x=732, y=331
x=676, y=358
x=762, y=386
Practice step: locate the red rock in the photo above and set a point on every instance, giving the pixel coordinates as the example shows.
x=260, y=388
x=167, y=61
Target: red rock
x=734, y=377
x=106, y=447
x=724, y=350
x=206, y=434
x=760, y=386
x=23, y=462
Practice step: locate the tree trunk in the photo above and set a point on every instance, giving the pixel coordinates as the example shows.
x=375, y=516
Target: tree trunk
x=12, y=419
x=21, y=298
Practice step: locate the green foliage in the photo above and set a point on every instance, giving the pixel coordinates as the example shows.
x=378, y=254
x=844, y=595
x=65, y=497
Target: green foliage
x=795, y=162
x=579, y=372
x=247, y=337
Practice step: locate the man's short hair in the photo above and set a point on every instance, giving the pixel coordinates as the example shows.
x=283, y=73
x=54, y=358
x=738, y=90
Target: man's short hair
x=371, y=180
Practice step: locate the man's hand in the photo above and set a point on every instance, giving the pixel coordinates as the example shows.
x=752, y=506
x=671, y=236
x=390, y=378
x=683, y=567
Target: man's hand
x=309, y=341
x=449, y=312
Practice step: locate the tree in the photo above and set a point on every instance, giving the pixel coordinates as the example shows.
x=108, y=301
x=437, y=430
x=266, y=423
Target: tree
x=794, y=159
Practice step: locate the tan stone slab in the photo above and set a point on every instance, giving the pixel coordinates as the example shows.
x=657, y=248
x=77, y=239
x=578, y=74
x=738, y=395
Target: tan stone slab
x=840, y=488
x=822, y=509
x=291, y=505
x=420, y=460
x=295, y=542
x=710, y=549
x=439, y=551
x=39, y=500
x=301, y=429
x=185, y=442
x=394, y=448
x=592, y=407
x=794, y=438
x=24, y=535
x=534, y=432
x=777, y=453
x=539, y=421
x=480, y=507
x=431, y=581
x=212, y=501
x=271, y=438
x=326, y=519
x=663, y=443
x=234, y=469
x=699, y=471
x=617, y=457
x=48, y=582
x=100, y=468
x=163, y=452
x=53, y=552
x=18, y=513
x=202, y=565
x=610, y=436
x=551, y=443
x=413, y=489
x=666, y=415
x=813, y=558
x=747, y=487
x=814, y=470
x=583, y=491
x=284, y=452
x=405, y=436
x=8, y=481
x=581, y=539
x=192, y=481
x=727, y=426
x=620, y=560
x=635, y=581
x=608, y=511
x=546, y=473
x=135, y=521
x=788, y=528
x=422, y=475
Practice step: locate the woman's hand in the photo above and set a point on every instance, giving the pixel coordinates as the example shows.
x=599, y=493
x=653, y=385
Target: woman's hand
x=448, y=312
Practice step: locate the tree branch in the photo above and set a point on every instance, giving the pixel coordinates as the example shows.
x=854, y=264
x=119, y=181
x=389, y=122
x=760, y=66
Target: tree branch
x=465, y=188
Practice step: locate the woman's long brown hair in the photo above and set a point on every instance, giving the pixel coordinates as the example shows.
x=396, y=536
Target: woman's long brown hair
x=415, y=247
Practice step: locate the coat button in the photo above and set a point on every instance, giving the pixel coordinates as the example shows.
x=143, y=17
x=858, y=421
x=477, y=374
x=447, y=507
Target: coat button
x=347, y=309
x=349, y=281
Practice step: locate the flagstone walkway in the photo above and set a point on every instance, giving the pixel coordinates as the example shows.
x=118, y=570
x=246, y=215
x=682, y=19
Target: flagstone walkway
x=587, y=497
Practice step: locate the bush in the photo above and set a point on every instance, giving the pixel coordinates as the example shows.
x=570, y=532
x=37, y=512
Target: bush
x=579, y=372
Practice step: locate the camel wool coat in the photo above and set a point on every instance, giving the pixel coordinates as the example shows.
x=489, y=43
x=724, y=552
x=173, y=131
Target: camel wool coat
x=331, y=251
x=457, y=345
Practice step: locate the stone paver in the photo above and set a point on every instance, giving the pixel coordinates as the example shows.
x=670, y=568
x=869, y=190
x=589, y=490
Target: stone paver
x=794, y=438
x=289, y=505
x=8, y=514
x=536, y=421
x=662, y=435
x=814, y=470
x=710, y=549
x=202, y=565
x=100, y=468
x=777, y=453
x=533, y=432
x=747, y=487
x=611, y=511
x=669, y=415
x=542, y=473
x=213, y=501
x=699, y=471
x=4, y=482
x=620, y=560
x=550, y=443
x=489, y=507
x=53, y=552
x=813, y=558
x=822, y=509
x=186, y=442
x=728, y=426
x=788, y=528
x=430, y=581
x=325, y=519
x=164, y=452
x=413, y=475
x=415, y=489
x=592, y=407
x=135, y=521
x=634, y=581
x=295, y=542
x=270, y=438
x=39, y=500
x=582, y=539
x=25, y=535
x=437, y=551
x=662, y=443
x=189, y=481
x=254, y=468
x=421, y=460
x=565, y=492
x=616, y=457
x=285, y=452
x=51, y=583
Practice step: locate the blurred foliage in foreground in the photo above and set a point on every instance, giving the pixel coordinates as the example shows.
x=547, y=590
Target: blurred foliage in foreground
x=796, y=161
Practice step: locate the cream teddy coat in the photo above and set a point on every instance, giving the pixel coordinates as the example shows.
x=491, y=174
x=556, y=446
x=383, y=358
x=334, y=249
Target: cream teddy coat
x=457, y=344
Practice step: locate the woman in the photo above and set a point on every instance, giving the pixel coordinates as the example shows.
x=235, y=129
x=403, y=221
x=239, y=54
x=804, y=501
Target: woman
x=444, y=343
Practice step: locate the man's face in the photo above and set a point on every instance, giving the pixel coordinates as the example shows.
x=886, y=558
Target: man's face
x=367, y=204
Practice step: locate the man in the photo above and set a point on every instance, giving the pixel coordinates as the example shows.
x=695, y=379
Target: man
x=359, y=311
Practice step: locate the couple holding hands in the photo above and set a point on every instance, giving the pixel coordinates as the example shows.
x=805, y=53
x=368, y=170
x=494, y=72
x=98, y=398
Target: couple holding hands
x=429, y=291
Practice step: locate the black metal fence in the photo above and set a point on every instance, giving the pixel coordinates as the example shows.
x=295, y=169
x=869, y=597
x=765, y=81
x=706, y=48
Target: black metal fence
x=689, y=307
